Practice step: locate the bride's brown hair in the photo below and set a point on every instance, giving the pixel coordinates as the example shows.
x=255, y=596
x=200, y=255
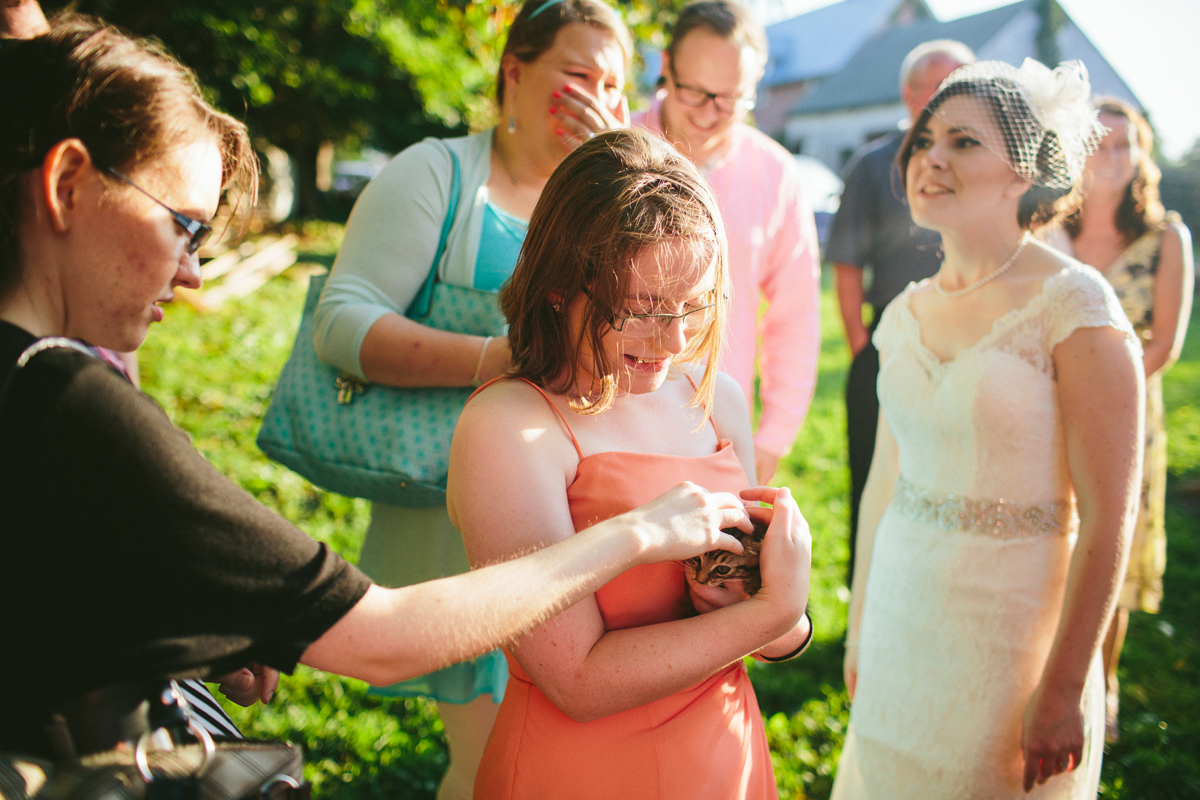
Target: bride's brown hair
x=615, y=196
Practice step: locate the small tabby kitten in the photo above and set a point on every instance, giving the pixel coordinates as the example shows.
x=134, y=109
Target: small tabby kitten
x=716, y=566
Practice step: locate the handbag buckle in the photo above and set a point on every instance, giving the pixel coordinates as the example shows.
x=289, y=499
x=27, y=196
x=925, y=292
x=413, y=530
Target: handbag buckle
x=348, y=386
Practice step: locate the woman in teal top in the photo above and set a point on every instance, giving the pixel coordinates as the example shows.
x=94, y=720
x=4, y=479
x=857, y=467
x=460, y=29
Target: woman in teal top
x=561, y=80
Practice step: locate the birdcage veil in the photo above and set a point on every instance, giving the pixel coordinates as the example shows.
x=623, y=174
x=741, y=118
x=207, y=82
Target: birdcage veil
x=1039, y=120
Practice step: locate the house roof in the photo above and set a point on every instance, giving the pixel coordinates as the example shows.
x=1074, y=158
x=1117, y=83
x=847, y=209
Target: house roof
x=819, y=43
x=871, y=76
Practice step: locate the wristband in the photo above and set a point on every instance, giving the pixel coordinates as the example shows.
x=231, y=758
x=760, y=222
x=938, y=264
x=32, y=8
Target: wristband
x=803, y=645
x=479, y=366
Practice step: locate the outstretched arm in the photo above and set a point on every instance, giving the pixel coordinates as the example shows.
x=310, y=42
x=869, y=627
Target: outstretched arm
x=394, y=634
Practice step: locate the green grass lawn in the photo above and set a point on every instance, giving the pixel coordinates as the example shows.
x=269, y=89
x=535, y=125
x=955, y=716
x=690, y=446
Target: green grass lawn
x=214, y=374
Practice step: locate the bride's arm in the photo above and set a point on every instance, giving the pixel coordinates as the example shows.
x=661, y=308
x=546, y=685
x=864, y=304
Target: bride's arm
x=877, y=494
x=511, y=465
x=1101, y=391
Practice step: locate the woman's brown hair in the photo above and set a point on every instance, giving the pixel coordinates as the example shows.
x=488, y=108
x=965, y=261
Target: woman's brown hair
x=1141, y=207
x=613, y=198
x=1040, y=205
x=125, y=98
x=539, y=21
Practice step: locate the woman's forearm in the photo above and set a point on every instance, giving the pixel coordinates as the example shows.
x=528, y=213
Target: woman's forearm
x=1091, y=595
x=631, y=667
x=400, y=352
x=1157, y=356
x=394, y=634
x=1173, y=285
x=789, y=642
x=849, y=280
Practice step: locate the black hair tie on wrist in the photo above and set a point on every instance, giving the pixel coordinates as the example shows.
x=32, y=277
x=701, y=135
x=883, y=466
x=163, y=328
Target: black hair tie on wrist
x=803, y=645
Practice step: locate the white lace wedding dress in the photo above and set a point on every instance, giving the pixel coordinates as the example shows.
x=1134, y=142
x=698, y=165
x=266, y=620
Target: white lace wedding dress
x=970, y=559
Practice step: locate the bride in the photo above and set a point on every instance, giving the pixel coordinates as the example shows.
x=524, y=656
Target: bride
x=1003, y=488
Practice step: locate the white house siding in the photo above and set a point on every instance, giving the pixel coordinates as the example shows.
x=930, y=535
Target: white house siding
x=833, y=137
x=770, y=115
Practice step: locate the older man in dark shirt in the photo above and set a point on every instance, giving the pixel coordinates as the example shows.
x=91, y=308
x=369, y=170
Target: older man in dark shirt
x=874, y=231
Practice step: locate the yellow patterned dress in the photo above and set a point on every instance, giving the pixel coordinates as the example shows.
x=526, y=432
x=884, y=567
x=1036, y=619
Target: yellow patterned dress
x=1132, y=276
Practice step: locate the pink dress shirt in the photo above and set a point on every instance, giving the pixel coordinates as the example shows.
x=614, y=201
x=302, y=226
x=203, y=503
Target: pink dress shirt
x=773, y=250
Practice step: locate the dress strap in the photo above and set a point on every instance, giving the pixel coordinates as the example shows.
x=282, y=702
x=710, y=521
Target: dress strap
x=571, y=433
x=711, y=419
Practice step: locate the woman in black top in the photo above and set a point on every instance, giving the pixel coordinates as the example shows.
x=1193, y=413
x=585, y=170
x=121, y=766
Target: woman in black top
x=124, y=554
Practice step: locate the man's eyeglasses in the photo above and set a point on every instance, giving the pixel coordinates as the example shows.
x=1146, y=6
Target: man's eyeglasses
x=646, y=325
x=197, y=231
x=724, y=103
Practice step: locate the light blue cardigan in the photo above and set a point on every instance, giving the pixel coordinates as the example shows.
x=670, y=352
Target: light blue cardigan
x=391, y=237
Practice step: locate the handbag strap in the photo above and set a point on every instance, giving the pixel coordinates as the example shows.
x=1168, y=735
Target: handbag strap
x=419, y=307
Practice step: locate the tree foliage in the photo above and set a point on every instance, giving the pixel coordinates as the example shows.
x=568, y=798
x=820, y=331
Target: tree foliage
x=305, y=72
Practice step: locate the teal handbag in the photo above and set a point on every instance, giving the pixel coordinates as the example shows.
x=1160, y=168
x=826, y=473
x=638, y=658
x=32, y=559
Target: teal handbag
x=366, y=440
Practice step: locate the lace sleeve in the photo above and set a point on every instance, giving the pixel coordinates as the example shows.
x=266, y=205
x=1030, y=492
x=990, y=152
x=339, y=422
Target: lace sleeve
x=889, y=332
x=1083, y=299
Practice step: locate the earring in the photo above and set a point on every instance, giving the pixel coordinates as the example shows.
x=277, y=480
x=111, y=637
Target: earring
x=512, y=125
x=557, y=306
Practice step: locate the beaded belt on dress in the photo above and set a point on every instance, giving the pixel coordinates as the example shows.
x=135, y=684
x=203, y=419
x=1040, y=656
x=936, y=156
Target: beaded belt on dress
x=1002, y=518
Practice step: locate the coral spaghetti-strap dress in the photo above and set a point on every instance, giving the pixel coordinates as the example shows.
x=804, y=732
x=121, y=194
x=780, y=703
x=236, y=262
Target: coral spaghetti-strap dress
x=706, y=741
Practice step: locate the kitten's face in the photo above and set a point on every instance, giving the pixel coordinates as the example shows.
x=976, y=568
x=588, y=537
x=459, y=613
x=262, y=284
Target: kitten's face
x=717, y=566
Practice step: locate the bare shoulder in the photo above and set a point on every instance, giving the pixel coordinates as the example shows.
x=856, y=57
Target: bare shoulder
x=728, y=398
x=732, y=417
x=729, y=412
x=505, y=401
x=505, y=417
x=1046, y=261
x=509, y=446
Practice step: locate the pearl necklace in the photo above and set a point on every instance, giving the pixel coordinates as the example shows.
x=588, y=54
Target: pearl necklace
x=986, y=278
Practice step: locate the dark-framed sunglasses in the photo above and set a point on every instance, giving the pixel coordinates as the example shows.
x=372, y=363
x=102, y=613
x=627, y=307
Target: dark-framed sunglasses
x=196, y=230
x=725, y=104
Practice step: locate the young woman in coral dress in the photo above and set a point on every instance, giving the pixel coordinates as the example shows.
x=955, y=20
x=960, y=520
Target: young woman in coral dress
x=619, y=294
x=1011, y=393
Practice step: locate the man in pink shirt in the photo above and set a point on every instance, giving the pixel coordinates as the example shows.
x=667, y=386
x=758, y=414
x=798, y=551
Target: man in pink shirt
x=709, y=71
